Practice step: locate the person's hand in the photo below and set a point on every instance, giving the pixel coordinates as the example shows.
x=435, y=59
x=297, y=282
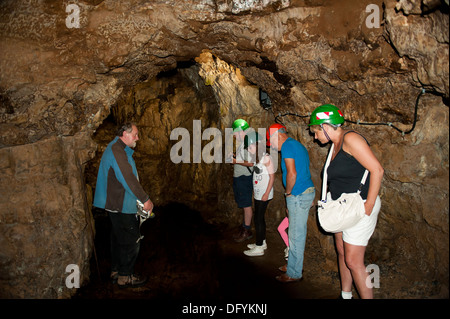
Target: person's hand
x=231, y=158
x=368, y=208
x=265, y=197
x=148, y=206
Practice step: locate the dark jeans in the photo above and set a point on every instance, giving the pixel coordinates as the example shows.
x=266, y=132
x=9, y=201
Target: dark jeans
x=124, y=248
x=243, y=190
x=260, y=221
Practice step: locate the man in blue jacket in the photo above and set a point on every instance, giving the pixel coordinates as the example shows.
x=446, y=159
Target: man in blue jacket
x=116, y=191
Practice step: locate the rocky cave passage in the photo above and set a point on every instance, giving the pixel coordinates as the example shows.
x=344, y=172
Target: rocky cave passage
x=191, y=234
x=63, y=89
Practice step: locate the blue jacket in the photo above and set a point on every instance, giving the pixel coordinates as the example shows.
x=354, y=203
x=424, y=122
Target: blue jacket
x=118, y=185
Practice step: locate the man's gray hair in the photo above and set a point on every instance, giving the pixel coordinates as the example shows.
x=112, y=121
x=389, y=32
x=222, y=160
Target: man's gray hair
x=126, y=127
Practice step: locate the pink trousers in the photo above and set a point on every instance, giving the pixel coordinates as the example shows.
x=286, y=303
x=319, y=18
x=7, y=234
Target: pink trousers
x=282, y=230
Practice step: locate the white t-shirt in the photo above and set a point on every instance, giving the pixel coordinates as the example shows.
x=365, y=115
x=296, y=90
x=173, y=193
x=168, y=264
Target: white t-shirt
x=261, y=178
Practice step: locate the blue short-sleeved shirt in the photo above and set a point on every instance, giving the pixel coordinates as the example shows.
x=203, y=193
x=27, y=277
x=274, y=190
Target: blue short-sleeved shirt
x=294, y=149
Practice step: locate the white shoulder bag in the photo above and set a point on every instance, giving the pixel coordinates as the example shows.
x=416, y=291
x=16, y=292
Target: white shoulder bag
x=344, y=212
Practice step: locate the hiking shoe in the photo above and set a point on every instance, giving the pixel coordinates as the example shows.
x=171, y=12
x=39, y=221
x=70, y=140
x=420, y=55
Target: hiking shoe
x=243, y=235
x=132, y=281
x=255, y=251
x=264, y=245
x=283, y=268
x=286, y=278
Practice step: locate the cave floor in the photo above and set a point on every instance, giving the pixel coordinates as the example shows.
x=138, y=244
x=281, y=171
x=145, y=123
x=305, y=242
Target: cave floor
x=186, y=258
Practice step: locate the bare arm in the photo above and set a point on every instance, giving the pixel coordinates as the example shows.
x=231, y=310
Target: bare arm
x=291, y=174
x=355, y=145
x=268, y=163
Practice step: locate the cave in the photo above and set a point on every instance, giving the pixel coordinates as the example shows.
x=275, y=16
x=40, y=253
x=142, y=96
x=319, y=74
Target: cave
x=70, y=73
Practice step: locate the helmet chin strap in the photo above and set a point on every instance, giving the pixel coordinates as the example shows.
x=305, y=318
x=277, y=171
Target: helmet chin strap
x=325, y=132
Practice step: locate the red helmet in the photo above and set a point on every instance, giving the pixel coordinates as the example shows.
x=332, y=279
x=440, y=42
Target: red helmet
x=272, y=129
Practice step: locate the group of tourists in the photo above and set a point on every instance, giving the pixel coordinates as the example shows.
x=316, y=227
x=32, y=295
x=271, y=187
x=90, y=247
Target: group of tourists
x=351, y=157
x=299, y=191
x=118, y=189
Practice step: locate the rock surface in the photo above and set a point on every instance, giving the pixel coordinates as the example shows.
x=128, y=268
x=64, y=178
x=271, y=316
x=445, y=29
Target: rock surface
x=62, y=87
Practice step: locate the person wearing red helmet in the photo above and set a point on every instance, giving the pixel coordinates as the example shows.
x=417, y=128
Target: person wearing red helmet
x=272, y=130
x=299, y=193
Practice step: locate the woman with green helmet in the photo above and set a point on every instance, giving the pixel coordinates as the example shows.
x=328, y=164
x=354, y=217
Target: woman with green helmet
x=326, y=114
x=352, y=155
x=242, y=180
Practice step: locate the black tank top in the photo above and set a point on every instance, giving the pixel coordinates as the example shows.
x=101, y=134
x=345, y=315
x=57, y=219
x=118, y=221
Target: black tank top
x=345, y=174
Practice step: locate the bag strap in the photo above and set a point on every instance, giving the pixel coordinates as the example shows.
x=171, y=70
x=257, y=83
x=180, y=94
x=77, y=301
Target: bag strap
x=363, y=181
x=325, y=175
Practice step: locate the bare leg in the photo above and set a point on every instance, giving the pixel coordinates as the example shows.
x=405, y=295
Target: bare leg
x=344, y=272
x=248, y=214
x=354, y=258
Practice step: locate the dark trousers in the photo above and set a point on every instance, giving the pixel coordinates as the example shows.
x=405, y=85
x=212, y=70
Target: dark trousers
x=124, y=245
x=260, y=221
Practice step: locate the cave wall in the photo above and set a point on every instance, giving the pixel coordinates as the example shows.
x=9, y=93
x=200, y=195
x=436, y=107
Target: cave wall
x=45, y=222
x=58, y=84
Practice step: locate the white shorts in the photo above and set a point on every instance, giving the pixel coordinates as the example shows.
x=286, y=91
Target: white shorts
x=360, y=234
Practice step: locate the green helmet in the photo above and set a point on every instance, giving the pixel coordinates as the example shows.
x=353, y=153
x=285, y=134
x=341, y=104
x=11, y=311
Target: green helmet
x=326, y=113
x=250, y=138
x=240, y=125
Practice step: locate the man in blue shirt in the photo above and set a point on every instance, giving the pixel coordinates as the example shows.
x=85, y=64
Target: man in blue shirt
x=117, y=191
x=299, y=193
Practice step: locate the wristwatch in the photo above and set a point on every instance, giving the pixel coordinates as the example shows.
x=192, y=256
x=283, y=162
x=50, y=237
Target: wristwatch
x=286, y=194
